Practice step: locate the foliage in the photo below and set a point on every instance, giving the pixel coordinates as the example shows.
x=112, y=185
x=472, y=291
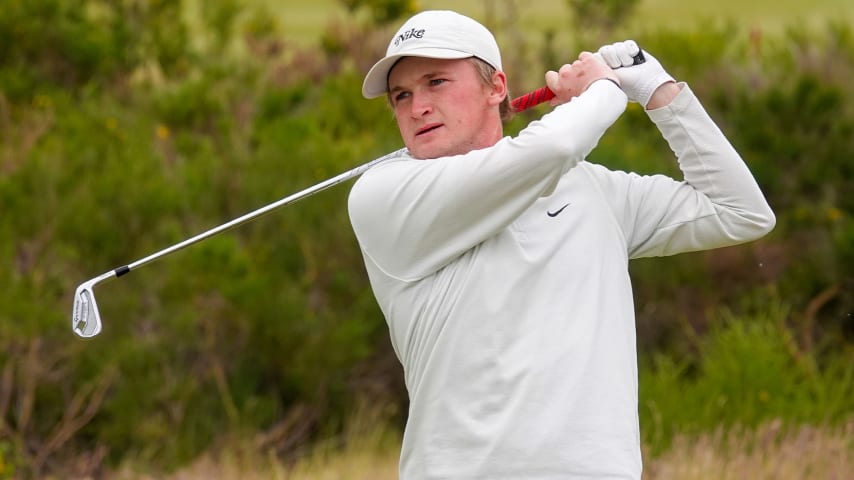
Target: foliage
x=121, y=134
x=598, y=14
x=746, y=371
x=383, y=11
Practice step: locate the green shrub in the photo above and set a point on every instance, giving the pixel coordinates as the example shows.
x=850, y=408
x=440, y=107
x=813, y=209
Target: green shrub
x=746, y=371
x=58, y=43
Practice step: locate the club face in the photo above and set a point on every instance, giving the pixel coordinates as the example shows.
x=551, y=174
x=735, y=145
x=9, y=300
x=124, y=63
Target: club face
x=85, y=319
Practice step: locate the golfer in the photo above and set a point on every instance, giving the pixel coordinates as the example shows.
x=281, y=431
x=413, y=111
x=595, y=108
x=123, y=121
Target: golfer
x=501, y=264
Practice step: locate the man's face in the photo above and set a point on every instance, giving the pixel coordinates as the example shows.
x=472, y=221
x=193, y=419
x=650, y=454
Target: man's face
x=443, y=108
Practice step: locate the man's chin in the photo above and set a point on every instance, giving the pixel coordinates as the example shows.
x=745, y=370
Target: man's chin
x=422, y=153
x=426, y=152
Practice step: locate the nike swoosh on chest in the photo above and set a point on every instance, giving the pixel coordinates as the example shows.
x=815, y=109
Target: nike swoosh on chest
x=554, y=213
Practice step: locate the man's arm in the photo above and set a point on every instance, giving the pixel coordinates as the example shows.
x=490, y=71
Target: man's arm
x=717, y=204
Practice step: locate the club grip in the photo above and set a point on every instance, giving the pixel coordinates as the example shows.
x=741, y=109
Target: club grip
x=543, y=94
x=532, y=99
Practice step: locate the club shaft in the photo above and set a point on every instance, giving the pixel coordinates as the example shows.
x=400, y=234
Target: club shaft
x=343, y=177
x=518, y=104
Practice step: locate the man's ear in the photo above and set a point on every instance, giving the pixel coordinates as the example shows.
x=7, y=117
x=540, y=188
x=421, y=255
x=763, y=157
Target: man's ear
x=498, y=90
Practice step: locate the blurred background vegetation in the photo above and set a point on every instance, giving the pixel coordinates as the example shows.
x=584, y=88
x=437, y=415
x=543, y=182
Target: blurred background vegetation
x=129, y=125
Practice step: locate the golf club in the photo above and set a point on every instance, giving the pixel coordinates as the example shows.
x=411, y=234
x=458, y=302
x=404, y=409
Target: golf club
x=85, y=317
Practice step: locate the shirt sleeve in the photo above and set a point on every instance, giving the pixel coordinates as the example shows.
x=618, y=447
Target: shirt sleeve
x=717, y=204
x=412, y=217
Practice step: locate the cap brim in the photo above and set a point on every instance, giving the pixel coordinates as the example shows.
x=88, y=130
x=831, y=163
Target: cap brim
x=376, y=81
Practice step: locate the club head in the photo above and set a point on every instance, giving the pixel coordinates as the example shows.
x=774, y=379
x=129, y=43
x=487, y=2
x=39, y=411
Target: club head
x=85, y=318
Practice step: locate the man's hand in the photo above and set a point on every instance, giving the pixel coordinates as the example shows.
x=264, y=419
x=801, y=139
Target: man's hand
x=571, y=80
x=638, y=81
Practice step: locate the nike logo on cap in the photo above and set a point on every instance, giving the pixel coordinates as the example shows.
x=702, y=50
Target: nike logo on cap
x=556, y=212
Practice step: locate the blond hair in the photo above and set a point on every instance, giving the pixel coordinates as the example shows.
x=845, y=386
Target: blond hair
x=485, y=71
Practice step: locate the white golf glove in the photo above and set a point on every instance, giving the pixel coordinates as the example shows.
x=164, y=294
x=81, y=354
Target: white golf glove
x=638, y=81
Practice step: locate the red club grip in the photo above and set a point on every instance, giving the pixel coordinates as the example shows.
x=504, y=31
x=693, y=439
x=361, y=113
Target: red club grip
x=538, y=96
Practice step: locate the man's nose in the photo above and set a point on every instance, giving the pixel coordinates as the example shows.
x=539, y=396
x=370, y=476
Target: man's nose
x=421, y=106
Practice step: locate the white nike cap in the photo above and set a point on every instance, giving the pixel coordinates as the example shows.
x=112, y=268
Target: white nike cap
x=433, y=34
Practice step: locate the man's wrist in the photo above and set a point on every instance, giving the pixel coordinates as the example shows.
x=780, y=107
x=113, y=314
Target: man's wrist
x=612, y=81
x=663, y=95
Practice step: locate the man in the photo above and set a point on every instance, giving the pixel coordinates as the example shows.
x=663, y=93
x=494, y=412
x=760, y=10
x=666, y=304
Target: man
x=500, y=263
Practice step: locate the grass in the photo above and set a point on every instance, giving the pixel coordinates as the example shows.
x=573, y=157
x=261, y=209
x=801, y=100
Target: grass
x=769, y=452
x=367, y=450
x=303, y=21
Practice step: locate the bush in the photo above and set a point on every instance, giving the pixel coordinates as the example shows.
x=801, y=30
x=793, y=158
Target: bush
x=747, y=371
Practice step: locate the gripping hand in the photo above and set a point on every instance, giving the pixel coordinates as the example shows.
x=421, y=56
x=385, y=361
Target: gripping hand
x=638, y=81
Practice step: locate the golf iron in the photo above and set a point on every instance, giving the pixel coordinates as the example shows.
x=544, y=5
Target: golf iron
x=85, y=317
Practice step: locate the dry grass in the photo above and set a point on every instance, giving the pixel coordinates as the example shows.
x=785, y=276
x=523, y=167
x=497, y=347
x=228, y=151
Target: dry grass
x=356, y=462
x=770, y=452
x=367, y=450
x=378, y=465
x=345, y=465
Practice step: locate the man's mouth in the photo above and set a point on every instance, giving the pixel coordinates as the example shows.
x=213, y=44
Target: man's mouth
x=427, y=129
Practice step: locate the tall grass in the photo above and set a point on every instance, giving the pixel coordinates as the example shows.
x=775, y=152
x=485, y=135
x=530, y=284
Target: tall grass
x=368, y=449
x=770, y=452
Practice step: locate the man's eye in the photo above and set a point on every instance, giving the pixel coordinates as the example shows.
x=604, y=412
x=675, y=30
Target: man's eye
x=401, y=96
x=437, y=81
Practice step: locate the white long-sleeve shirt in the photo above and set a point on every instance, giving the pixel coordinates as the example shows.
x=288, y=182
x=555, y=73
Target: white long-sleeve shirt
x=503, y=277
